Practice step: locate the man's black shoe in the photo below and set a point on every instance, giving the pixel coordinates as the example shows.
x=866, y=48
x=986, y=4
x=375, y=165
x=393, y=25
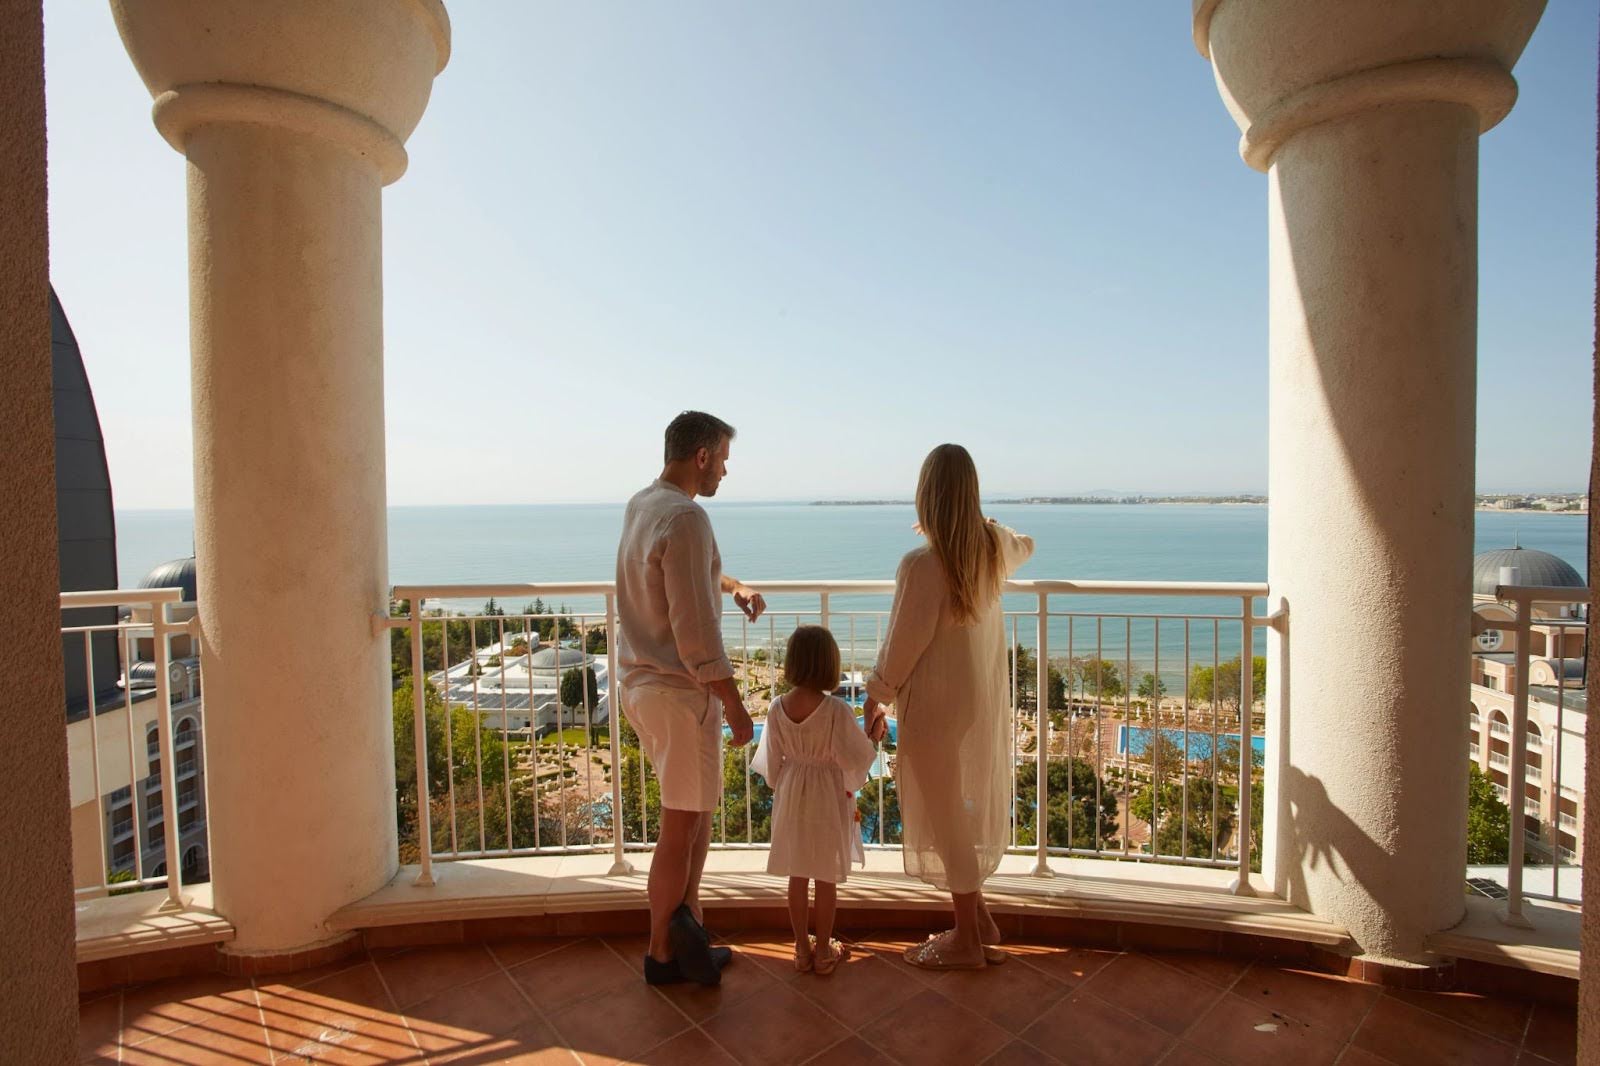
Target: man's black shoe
x=720, y=957
x=661, y=973
x=691, y=948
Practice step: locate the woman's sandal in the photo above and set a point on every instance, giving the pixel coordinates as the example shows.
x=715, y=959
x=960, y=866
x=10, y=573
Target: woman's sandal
x=925, y=956
x=803, y=961
x=823, y=965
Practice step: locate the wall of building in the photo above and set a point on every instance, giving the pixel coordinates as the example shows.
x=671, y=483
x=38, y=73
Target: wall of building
x=1589, y=984
x=38, y=1013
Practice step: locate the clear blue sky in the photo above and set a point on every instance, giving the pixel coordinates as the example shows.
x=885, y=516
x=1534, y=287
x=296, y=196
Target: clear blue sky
x=853, y=230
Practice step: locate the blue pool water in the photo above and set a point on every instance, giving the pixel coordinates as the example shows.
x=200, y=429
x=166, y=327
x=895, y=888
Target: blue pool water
x=1199, y=743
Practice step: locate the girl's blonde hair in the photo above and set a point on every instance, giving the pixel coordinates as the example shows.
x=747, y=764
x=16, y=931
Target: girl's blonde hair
x=952, y=520
x=812, y=659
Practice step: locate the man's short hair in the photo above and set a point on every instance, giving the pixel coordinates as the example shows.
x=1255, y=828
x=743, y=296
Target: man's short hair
x=693, y=430
x=812, y=659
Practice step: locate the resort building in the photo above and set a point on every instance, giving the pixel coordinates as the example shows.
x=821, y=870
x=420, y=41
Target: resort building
x=1553, y=779
x=519, y=692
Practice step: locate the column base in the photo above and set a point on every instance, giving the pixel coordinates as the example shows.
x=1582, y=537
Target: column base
x=305, y=957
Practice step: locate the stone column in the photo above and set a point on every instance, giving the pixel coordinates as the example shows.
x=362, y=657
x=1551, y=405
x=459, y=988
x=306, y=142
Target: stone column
x=292, y=116
x=39, y=1008
x=1365, y=116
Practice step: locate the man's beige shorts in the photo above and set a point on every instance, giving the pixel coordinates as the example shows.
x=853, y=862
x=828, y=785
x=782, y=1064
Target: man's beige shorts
x=679, y=729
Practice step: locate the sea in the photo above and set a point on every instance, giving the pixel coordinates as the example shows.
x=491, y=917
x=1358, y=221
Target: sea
x=797, y=541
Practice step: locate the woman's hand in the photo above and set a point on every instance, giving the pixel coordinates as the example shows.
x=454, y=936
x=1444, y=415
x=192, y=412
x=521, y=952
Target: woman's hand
x=874, y=721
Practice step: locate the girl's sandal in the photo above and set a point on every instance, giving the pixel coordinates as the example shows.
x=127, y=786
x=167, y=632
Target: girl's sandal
x=804, y=960
x=837, y=953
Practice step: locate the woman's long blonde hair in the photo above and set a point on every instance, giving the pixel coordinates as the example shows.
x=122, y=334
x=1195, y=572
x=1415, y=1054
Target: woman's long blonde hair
x=952, y=519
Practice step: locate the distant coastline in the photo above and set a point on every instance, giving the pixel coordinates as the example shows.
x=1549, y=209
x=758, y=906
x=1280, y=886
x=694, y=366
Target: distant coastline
x=1555, y=503
x=1029, y=500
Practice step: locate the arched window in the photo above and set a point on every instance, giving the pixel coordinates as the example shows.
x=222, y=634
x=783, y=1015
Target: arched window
x=152, y=750
x=183, y=741
x=1535, y=737
x=1498, y=724
x=1474, y=718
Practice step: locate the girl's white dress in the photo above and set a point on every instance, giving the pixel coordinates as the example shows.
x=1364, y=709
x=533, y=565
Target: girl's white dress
x=947, y=681
x=813, y=766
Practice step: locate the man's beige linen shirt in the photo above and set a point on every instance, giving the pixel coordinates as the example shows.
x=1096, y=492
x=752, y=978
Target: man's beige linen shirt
x=669, y=593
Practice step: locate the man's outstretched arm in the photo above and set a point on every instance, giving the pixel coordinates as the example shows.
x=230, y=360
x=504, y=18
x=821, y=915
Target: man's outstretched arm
x=745, y=598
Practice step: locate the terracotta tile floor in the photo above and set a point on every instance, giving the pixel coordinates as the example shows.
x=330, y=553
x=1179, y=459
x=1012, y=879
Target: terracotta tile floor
x=582, y=1001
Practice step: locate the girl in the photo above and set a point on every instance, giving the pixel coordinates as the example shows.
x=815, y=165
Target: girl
x=814, y=756
x=943, y=666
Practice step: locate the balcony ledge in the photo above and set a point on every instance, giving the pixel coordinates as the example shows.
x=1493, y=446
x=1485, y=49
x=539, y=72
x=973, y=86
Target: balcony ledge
x=1550, y=947
x=115, y=926
x=1087, y=889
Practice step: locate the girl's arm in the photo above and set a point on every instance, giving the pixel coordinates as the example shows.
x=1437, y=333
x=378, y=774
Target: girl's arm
x=768, y=759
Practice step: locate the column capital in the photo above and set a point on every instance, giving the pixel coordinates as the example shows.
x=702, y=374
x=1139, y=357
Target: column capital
x=1283, y=65
x=354, y=72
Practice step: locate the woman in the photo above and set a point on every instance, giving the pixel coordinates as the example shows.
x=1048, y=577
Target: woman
x=943, y=667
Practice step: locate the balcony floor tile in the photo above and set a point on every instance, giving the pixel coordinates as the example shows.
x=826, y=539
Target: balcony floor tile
x=541, y=1002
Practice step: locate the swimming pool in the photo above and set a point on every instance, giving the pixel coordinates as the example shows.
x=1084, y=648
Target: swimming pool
x=1199, y=743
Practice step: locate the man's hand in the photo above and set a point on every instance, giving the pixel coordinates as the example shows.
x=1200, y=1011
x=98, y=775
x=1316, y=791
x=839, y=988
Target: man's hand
x=874, y=720
x=749, y=601
x=739, y=723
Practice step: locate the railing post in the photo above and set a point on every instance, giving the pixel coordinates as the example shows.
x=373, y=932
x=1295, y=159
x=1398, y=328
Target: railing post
x=824, y=611
x=1516, y=781
x=1041, y=816
x=172, y=819
x=619, y=865
x=419, y=729
x=1247, y=700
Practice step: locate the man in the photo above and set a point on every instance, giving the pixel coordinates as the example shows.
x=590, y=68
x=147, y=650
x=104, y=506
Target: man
x=674, y=673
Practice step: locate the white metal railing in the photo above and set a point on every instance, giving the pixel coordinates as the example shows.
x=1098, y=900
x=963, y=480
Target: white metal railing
x=119, y=715
x=1154, y=762
x=1497, y=759
x=1500, y=729
x=1523, y=599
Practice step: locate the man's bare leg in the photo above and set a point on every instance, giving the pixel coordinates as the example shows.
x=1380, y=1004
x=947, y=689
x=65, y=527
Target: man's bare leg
x=697, y=865
x=669, y=873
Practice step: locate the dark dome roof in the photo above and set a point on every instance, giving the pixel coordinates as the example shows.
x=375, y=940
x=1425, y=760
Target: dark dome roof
x=179, y=573
x=1533, y=568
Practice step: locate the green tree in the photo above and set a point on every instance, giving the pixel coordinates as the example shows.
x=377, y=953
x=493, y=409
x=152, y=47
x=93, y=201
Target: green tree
x=1151, y=687
x=438, y=632
x=575, y=684
x=595, y=642
x=869, y=815
x=1027, y=673
x=1221, y=685
x=467, y=748
x=1095, y=676
x=1488, y=822
x=641, y=791
x=754, y=825
x=1071, y=800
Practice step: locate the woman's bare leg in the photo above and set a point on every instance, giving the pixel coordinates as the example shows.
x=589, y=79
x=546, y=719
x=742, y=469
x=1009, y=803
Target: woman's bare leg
x=964, y=943
x=988, y=929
